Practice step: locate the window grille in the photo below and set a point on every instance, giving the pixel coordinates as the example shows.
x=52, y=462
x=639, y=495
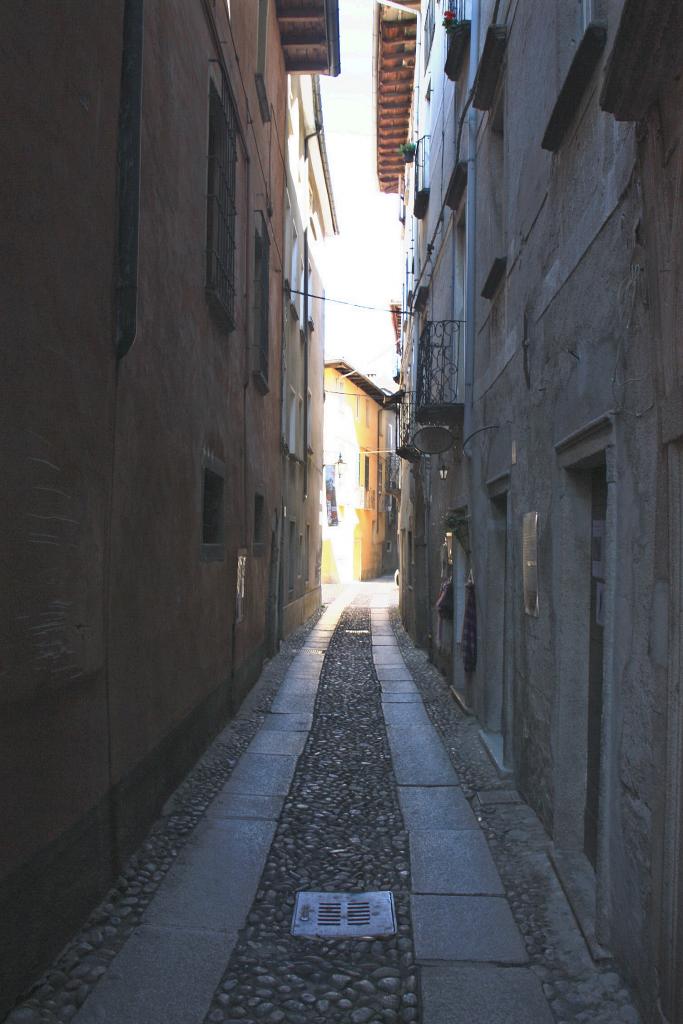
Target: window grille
x=241, y=584
x=459, y=8
x=221, y=203
x=213, y=510
x=261, y=291
x=530, y=562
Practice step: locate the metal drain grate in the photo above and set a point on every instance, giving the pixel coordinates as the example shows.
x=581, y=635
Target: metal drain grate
x=359, y=915
x=358, y=632
x=313, y=650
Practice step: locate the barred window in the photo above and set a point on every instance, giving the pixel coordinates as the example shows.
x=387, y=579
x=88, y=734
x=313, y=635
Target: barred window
x=261, y=289
x=221, y=203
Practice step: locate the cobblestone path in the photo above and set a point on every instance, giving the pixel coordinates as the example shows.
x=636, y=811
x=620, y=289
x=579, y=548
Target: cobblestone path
x=340, y=829
x=348, y=768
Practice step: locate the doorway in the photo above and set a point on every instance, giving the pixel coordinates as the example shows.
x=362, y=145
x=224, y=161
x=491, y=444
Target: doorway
x=596, y=652
x=495, y=618
x=672, y=876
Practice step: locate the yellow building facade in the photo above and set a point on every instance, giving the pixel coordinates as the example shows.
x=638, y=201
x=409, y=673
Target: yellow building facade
x=358, y=512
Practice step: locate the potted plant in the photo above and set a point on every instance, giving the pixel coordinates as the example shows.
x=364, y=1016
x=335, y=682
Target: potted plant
x=450, y=22
x=407, y=151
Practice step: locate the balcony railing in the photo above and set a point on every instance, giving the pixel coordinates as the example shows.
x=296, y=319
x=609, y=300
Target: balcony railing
x=438, y=398
x=421, y=177
x=392, y=475
x=458, y=37
x=459, y=8
x=366, y=498
x=405, y=447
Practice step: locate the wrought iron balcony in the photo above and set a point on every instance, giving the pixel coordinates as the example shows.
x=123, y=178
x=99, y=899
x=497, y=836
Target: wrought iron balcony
x=366, y=498
x=392, y=475
x=421, y=177
x=438, y=398
x=458, y=37
x=405, y=447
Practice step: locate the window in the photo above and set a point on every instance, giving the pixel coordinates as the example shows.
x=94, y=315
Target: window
x=296, y=275
x=213, y=512
x=367, y=473
x=241, y=584
x=307, y=553
x=309, y=423
x=300, y=438
x=261, y=292
x=259, y=76
x=530, y=562
x=290, y=556
x=300, y=556
x=220, y=203
x=428, y=31
x=367, y=412
x=292, y=432
x=588, y=13
x=259, y=523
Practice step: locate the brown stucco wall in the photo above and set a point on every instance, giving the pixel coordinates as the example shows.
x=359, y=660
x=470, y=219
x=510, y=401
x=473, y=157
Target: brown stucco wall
x=120, y=654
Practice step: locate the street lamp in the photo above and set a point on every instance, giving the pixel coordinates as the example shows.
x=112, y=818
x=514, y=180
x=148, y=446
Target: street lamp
x=339, y=464
x=443, y=471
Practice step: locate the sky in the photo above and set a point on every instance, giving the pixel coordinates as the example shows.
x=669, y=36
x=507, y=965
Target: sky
x=363, y=264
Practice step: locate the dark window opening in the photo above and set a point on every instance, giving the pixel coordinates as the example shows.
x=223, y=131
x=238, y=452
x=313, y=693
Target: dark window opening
x=213, y=514
x=220, y=203
x=291, y=567
x=261, y=290
x=259, y=521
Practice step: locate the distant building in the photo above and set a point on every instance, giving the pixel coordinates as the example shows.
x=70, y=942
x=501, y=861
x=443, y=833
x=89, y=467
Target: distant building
x=143, y=217
x=359, y=526
x=543, y=369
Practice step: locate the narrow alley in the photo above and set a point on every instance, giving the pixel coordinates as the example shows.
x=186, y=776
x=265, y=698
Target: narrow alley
x=341, y=532
x=349, y=770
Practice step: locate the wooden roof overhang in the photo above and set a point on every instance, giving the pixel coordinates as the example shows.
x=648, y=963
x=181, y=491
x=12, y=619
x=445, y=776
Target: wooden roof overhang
x=394, y=69
x=371, y=389
x=309, y=33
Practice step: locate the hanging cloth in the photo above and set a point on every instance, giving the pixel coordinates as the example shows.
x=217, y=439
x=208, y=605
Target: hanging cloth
x=469, y=628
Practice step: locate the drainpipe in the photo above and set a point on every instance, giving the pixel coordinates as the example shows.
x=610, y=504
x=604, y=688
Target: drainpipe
x=306, y=339
x=471, y=208
x=130, y=111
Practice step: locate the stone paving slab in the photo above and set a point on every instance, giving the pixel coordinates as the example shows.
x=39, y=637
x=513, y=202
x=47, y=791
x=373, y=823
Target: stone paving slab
x=499, y=796
x=266, y=741
x=430, y=807
x=482, y=994
x=161, y=976
x=411, y=716
x=387, y=656
x=466, y=928
x=453, y=862
x=389, y=673
x=211, y=885
x=398, y=686
x=284, y=722
x=246, y=805
x=384, y=640
x=401, y=696
x=268, y=774
x=304, y=669
x=418, y=762
x=294, y=704
x=299, y=685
